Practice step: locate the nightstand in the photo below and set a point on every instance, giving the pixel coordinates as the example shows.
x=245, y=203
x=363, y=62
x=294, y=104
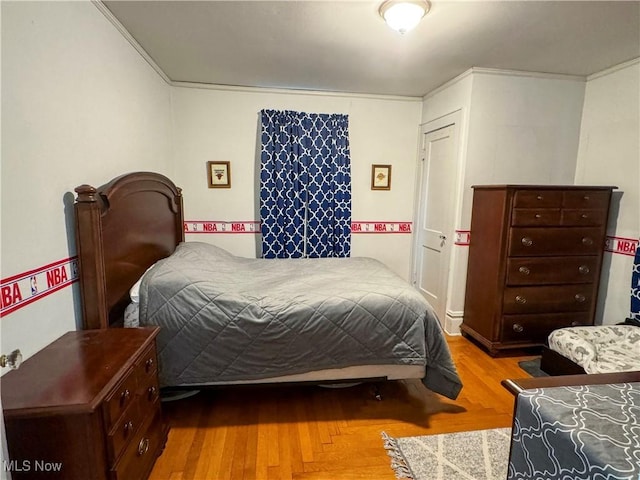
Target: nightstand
x=86, y=407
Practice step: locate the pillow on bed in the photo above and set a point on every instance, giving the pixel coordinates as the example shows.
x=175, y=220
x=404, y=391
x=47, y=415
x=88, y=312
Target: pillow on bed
x=134, y=292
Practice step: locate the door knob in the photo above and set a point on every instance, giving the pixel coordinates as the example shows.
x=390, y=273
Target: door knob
x=13, y=360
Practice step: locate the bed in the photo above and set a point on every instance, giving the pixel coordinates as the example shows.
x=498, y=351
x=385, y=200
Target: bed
x=257, y=320
x=592, y=349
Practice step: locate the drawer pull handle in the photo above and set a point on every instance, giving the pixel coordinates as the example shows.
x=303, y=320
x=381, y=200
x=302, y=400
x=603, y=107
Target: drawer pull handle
x=148, y=365
x=143, y=446
x=586, y=198
x=526, y=241
x=537, y=215
x=580, y=298
x=539, y=197
x=524, y=270
x=125, y=396
x=128, y=428
x=584, y=215
x=518, y=328
x=520, y=299
x=583, y=269
x=575, y=323
x=587, y=241
x=152, y=392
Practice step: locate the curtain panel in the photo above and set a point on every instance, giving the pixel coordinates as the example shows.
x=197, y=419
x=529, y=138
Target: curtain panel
x=305, y=185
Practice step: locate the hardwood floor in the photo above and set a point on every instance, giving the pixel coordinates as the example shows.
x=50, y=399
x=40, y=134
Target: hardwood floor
x=313, y=433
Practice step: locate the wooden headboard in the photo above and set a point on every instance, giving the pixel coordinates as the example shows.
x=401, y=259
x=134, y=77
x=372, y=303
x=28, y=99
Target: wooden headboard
x=122, y=228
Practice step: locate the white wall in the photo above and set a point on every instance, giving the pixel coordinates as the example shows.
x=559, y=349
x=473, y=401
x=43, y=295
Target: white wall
x=609, y=153
x=223, y=124
x=79, y=105
x=523, y=130
x=514, y=128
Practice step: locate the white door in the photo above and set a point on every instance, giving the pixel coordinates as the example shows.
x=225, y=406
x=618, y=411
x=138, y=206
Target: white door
x=434, y=226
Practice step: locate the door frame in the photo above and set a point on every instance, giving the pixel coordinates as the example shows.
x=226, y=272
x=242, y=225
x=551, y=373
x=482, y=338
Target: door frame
x=452, y=119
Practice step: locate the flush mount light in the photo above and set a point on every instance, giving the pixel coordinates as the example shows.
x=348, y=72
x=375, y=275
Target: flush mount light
x=403, y=15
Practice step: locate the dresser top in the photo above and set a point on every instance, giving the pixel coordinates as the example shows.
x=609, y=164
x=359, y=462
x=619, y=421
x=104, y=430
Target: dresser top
x=544, y=187
x=75, y=372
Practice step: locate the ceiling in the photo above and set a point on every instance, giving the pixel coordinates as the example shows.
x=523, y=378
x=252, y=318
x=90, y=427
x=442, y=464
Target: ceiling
x=345, y=46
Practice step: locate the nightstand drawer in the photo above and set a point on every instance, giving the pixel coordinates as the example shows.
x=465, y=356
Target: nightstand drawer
x=138, y=458
x=551, y=270
x=123, y=431
x=549, y=299
x=120, y=399
x=147, y=367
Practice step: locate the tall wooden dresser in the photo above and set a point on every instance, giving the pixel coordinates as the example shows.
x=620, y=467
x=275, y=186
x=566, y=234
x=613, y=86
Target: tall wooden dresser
x=86, y=407
x=534, y=262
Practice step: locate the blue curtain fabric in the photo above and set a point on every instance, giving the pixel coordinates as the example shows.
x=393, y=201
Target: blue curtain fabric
x=305, y=185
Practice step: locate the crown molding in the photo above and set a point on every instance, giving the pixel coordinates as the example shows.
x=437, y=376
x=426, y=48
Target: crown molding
x=614, y=69
x=291, y=91
x=505, y=73
x=123, y=31
x=521, y=73
x=448, y=84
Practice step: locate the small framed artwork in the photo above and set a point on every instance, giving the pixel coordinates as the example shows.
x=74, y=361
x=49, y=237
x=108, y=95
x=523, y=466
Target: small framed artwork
x=219, y=174
x=380, y=177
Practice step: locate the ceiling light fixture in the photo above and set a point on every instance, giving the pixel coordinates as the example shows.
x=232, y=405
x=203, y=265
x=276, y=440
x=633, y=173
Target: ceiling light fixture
x=403, y=15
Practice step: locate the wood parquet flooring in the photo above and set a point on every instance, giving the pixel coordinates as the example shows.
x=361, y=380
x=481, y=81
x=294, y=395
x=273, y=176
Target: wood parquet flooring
x=316, y=433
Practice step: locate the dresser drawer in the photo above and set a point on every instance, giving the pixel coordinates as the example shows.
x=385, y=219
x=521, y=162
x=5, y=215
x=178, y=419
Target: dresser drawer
x=140, y=454
x=537, y=199
x=555, y=241
x=532, y=217
x=556, y=298
x=536, y=328
x=589, y=199
x=551, y=270
x=582, y=217
x=124, y=429
x=147, y=364
x=120, y=399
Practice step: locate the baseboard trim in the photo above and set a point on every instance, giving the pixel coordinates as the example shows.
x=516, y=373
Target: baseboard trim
x=452, y=322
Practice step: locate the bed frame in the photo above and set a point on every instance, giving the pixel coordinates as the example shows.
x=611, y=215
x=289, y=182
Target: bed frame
x=128, y=224
x=122, y=228
x=555, y=364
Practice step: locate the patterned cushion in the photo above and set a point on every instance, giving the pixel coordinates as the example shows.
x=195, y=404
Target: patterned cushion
x=599, y=349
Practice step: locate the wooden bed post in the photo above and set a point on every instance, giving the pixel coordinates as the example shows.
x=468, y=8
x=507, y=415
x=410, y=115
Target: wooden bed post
x=90, y=258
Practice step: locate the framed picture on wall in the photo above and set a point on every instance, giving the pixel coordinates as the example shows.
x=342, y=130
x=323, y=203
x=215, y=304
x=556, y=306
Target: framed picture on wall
x=219, y=174
x=380, y=177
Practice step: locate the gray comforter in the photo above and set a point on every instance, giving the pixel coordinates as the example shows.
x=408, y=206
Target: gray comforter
x=227, y=318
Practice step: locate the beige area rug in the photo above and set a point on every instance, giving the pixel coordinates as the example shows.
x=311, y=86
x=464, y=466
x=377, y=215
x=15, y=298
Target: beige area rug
x=475, y=455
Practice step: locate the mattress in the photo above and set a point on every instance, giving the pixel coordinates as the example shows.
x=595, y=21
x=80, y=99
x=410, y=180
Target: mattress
x=229, y=319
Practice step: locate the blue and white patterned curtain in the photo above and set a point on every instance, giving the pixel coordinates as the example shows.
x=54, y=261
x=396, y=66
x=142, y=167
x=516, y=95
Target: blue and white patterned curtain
x=305, y=185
